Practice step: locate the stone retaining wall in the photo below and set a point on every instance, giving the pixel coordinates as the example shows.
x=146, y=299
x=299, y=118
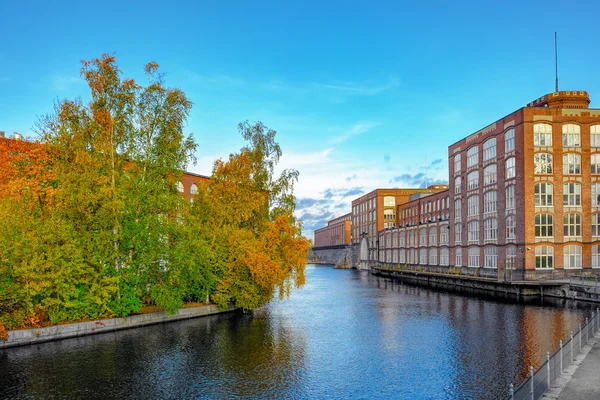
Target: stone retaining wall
x=331, y=255
x=38, y=335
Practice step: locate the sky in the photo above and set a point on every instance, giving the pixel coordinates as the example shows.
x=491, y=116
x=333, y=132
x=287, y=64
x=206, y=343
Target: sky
x=363, y=95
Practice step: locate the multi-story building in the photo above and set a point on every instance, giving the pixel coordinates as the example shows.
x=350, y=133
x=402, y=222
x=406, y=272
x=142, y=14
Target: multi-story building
x=336, y=233
x=524, y=195
x=188, y=186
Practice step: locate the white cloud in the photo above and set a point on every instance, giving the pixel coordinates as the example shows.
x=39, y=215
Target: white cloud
x=355, y=130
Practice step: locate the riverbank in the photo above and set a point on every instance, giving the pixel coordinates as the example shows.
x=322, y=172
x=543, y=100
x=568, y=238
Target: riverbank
x=26, y=337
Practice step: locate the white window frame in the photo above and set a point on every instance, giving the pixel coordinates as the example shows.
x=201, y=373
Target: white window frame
x=572, y=225
x=473, y=180
x=572, y=194
x=457, y=184
x=457, y=163
x=543, y=194
x=473, y=231
x=544, y=226
x=572, y=256
x=571, y=135
x=490, y=175
x=596, y=256
x=511, y=224
x=595, y=163
x=473, y=156
x=544, y=257
x=510, y=169
x=571, y=164
x=473, y=206
x=595, y=136
x=595, y=194
x=510, y=197
x=511, y=257
x=542, y=135
x=509, y=140
x=542, y=163
x=489, y=149
x=474, y=257
x=490, y=202
x=490, y=257
x=490, y=228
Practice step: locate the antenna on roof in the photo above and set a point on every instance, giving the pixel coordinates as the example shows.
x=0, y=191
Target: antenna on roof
x=556, y=61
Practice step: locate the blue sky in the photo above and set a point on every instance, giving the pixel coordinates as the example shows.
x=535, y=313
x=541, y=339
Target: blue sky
x=362, y=94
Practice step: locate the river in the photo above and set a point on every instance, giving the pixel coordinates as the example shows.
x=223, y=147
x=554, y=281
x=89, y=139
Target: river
x=346, y=335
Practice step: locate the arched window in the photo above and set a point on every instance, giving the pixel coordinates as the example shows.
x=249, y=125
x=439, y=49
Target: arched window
x=473, y=180
x=544, y=226
x=433, y=256
x=596, y=256
x=489, y=174
x=489, y=149
x=510, y=197
x=179, y=186
x=423, y=237
x=458, y=234
x=572, y=256
x=444, y=256
x=596, y=225
x=511, y=223
x=572, y=194
x=474, y=253
x=490, y=257
x=423, y=257
x=458, y=257
x=490, y=202
x=595, y=163
x=457, y=209
x=472, y=156
x=544, y=257
x=511, y=170
x=542, y=135
x=509, y=140
x=595, y=135
x=511, y=257
x=194, y=189
x=457, y=186
x=432, y=235
x=572, y=225
x=444, y=234
x=571, y=164
x=543, y=194
x=542, y=163
x=402, y=239
x=571, y=135
x=457, y=163
x=473, y=233
x=490, y=228
x=473, y=206
x=402, y=256
x=596, y=194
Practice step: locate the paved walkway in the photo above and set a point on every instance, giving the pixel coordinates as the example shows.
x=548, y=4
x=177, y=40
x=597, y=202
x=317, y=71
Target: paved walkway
x=581, y=380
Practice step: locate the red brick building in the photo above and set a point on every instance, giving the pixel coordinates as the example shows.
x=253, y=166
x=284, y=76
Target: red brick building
x=336, y=233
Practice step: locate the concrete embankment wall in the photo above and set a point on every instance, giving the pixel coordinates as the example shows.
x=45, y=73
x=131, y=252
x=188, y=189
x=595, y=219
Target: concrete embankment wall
x=38, y=335
x=331, y=255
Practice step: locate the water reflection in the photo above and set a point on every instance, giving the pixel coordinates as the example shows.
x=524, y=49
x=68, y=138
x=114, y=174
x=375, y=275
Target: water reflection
x=347, y=334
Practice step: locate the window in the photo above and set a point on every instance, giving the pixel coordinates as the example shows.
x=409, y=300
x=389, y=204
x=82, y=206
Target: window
x=395, y=239
x=473, y=180
x=489, y=149
x=542, y=194
x=458, y=257
x=432, y=235
x=572, y=256
x=472, y=156
x=511, y=257
x=572, y=225
x=596, y=225
x=489, y=202
x=542, y=135
x=389, y=215
x=423, y=256
x=509, y=140
x=596, y=256
x=572, y=194
x=402, y=256
x=458, y=234
x=389, y=201
x=423, y=237
x=474, y=257
x=402, y=239
x=444, y=257
x=473, y=206
x=544, y=257
x=457, y=187
x=595, y=135
x=490, y=229
x=543, y=225
x=444, y=234
x=433, y=257
x=457, y=163
x=489, y=174
x=595, y=164
x=510, y=197
x=511, y=223
x=179, y=187
x=571, y=164
x=571, y=135
x=194, y=189
x=490, y=257
x=473, y=233
x=596, y=194
x=510, y=171
x=542, y=163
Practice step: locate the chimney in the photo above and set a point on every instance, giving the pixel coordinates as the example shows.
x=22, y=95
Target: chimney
x=17, y=136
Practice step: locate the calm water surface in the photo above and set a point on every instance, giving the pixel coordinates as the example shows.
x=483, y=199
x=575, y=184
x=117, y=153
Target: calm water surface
x=346, y=334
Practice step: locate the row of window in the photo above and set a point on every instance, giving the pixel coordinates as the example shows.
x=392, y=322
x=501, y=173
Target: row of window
x=490, y=176
x=542, y=164
x=572, y=225
x=544, y=256
x=489, y=151
x=571, y=135
x=180, y=188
